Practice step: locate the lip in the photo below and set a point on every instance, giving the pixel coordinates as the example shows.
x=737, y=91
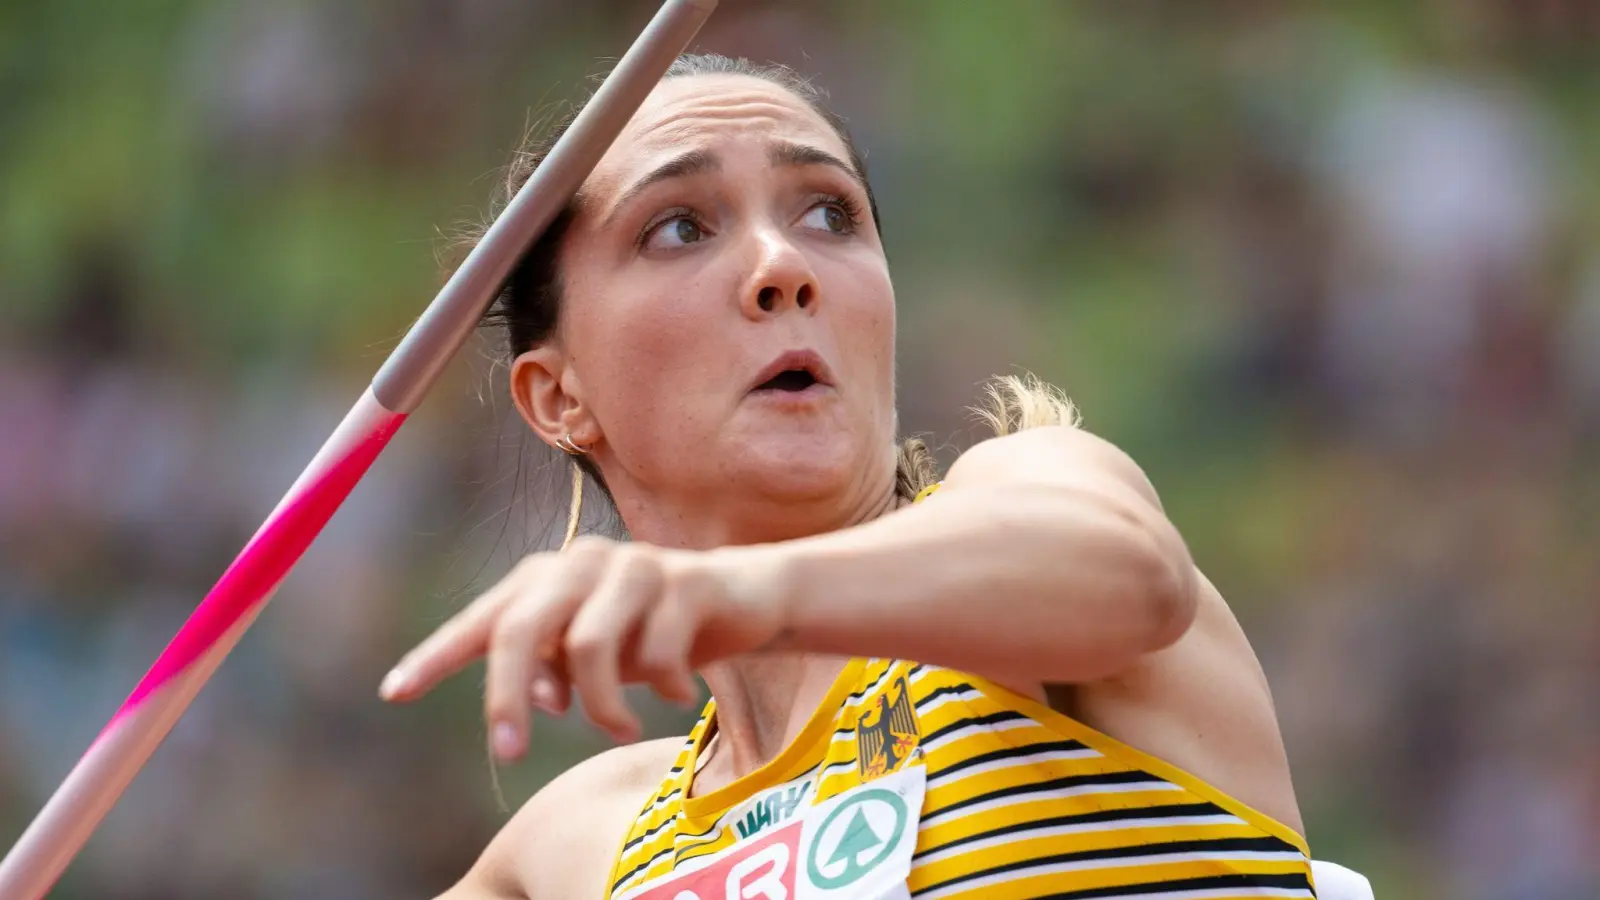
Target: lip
x=806, y=360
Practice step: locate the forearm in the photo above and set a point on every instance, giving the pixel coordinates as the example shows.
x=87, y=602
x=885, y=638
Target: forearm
x=1041, y=582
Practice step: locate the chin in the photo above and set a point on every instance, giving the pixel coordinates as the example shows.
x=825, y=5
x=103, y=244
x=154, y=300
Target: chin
x=798, y=468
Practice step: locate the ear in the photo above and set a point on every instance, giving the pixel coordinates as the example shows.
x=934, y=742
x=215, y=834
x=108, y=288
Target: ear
x=549, y=397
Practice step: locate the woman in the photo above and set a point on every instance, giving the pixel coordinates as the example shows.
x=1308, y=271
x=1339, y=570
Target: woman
x=709, y=333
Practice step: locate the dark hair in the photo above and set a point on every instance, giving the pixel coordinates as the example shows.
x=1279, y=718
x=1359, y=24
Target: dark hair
x=529, y=306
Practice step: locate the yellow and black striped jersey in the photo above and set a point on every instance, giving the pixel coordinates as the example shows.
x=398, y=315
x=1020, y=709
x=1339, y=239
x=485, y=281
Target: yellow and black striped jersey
x=917, y=781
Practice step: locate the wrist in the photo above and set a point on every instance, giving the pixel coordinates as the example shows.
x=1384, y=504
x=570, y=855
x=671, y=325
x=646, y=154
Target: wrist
x=766, y=581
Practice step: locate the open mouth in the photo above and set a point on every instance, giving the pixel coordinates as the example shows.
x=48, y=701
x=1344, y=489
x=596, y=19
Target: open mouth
x=793, y=373
x=790, y=381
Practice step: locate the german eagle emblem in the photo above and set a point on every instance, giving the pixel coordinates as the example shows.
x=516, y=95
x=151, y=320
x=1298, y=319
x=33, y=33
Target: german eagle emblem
x=887, y=733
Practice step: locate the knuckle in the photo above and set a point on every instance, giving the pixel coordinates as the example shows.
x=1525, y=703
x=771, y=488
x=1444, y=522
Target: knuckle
x=516, y=626
x=586, y=645
x=656, y=665
x=590, y=548
x=641, y=568
x=529, y=570
x=629, y=557
x=688, y=583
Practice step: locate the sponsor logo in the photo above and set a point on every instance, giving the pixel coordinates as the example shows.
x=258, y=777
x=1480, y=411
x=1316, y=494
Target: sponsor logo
x=855, y=838
x=857, y=844
x=761, y=869
x=773, y=808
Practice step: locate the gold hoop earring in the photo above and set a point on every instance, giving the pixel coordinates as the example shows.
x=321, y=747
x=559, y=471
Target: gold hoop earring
x=575, y=511
x=569, y=446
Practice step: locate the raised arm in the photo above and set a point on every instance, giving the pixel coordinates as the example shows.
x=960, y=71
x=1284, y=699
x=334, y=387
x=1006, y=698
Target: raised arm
x=1044, y=556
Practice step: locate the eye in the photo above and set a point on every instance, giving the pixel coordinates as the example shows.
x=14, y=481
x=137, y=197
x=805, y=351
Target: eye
x=671, y=234
x=831, y=216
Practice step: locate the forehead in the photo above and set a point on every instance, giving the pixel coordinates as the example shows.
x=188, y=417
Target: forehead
x=701, y=112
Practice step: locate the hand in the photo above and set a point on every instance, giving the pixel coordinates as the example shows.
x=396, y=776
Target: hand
x=594, y=617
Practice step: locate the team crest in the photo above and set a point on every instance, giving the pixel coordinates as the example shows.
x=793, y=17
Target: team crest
x=887, y=733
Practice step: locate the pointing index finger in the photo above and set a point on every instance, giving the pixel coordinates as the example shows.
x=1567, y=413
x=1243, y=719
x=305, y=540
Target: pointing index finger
x=455, y=645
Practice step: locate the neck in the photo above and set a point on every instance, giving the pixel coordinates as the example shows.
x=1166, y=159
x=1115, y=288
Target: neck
x=707, y=517
x=763, y=702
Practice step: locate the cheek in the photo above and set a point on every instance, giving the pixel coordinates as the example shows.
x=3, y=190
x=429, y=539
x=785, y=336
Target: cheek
x=648, y=354
x=867, y=326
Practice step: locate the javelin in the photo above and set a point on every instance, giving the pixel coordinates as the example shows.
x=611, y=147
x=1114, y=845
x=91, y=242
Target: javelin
x=71, y=815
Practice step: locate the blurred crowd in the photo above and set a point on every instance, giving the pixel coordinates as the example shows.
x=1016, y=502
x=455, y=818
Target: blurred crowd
x=1331, y=274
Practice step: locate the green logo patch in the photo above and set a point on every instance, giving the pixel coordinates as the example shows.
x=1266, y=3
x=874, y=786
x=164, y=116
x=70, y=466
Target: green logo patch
x=856, y=836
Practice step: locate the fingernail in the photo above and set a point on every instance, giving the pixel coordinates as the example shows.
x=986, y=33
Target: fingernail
x=506, y=741
x=393, y=684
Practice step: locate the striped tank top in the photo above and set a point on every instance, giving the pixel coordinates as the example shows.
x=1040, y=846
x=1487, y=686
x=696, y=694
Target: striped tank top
x=916, y=781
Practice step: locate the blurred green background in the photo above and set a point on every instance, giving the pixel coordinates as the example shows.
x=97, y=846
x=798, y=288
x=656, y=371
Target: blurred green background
x=1331, y=272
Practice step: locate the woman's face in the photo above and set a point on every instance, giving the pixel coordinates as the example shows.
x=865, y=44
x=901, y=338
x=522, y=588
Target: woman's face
x=728, y=321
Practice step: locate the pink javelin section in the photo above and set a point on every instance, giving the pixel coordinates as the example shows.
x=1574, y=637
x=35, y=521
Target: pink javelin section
x=73, y=812
x=111, y=763
x=266, y=560
x=123, y=746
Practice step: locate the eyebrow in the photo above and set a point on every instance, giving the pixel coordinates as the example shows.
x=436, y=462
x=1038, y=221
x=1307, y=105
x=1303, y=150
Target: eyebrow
x=787, y=154
x=686, y=165
x=701, y=162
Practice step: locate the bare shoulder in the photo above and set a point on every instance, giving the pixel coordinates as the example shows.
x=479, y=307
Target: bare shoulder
x=562, y=841
x=1063, y=454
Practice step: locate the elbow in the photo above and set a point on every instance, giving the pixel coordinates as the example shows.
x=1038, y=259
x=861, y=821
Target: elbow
x=1169, y=589
x=1158, y=586
x=1150, y=588
x=1142, y=581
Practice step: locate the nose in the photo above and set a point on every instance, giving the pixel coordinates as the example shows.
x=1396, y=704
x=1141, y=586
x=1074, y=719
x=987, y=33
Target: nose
x=782, y=278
